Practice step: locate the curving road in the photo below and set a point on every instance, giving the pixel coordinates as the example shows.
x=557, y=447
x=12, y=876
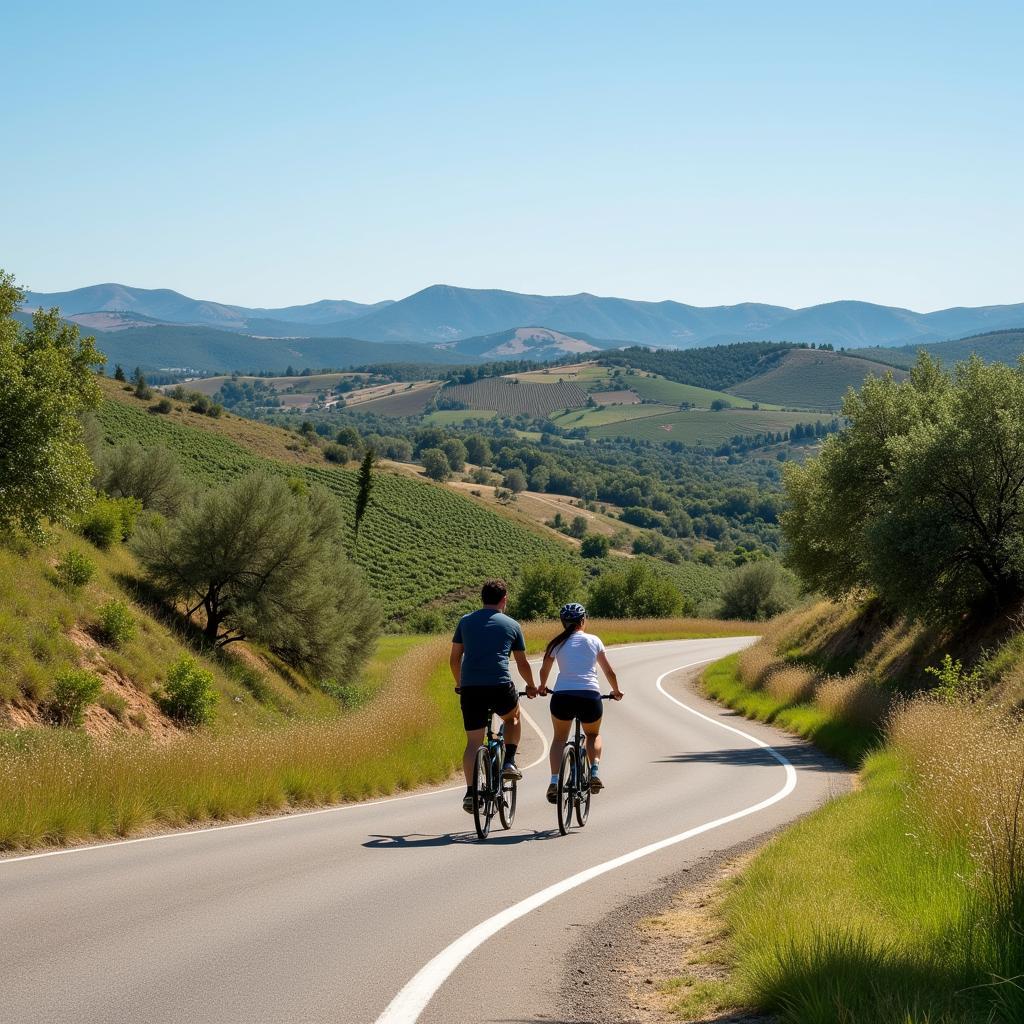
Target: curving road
x=392, y=911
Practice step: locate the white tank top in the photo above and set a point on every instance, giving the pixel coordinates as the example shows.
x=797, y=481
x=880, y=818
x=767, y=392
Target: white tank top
x=577, y=663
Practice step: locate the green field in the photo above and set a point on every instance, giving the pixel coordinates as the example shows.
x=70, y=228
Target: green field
x=448, y=417
x=702, y=427
x=419, y=542
x=809, y=379
x=609, y=414
x=668, y=392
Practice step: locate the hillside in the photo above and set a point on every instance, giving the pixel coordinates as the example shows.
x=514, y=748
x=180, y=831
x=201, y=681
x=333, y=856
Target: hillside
x=811, y=379
x=207, y=350
x=538, y=343
x=993, y=347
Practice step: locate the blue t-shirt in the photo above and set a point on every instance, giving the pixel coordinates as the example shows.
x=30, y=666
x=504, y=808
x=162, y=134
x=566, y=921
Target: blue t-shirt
x=488, y=637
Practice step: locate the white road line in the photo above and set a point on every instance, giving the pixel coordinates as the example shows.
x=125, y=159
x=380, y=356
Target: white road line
x=410, y=1002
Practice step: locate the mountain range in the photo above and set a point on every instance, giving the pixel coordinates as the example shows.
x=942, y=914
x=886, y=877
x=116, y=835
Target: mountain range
x=471, y=322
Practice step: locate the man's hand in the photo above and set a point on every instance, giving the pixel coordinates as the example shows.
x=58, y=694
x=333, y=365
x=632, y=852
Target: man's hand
x=531, y=691
x=543, y=691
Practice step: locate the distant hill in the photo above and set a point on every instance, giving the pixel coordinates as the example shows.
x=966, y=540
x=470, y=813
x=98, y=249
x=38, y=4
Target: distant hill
x=444, y=314
x=993, y=347
x=201, y=348
x=165, y=306
x=538, y=343
x=811, y=379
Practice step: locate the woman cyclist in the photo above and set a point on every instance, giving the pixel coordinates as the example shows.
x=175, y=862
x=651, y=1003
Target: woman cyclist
x=577, y=693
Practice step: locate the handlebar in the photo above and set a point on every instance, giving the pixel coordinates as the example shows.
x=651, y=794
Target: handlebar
x=604, y=696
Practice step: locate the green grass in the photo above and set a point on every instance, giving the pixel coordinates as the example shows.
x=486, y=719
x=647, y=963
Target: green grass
x=807, y=379
x=702, y=427
x=658, y=389
x=859, y=914
x=845, y=740
x=609, y=414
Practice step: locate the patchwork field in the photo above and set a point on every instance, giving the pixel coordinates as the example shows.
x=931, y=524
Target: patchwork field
x=398, y=399
x=515, y=398
x=610, y=414
x=702, y=427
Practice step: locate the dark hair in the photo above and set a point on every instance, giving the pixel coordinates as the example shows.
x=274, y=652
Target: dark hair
x=573, y=627
x=493, y=591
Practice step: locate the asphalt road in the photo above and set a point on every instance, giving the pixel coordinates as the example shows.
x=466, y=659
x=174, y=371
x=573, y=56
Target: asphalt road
x=392, y=911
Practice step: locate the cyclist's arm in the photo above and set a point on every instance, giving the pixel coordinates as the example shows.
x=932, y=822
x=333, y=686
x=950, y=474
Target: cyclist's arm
x=455, y=663
x=526, y=670
x=545, y=672
x=609, y=672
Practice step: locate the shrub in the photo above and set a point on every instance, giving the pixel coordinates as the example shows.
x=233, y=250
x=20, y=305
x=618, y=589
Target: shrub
x=594, y=546
x=543, y=588
x=338, y=453
x=116, y=625
x=164, y=406
x=72, y=692
x=150, y=474
x=75, y=570
x=188, y=695
x=113, y=703
x=102, y=524
x=758, y=590
x=635, y=593
x=436, y=464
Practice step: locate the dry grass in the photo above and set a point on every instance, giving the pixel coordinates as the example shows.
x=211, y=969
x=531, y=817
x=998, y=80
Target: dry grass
x=855, y=698
x=625, y=631
x=757, y=662
x=968, y=767
x=58, y=787
x=792, y=684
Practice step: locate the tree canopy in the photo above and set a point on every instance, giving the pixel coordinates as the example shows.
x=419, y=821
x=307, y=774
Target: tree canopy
x=921, y=498
x=265, y=562
x=46, y=383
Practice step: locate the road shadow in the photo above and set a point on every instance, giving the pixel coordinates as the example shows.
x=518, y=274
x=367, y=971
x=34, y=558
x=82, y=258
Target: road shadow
x=800, y=755
x=418, y=840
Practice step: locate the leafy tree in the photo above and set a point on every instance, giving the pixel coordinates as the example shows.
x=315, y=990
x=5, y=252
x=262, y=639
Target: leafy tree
x=921, y=498
x=364, y=487
x=596, y=545
x=46, y=382
x=150, y=474
x=478, y=451
x=266, y=563
x=349, y=436
x=515, y=481
x=455, y=451
x=436, y=463
x=142, y=389
x=578, y=527
x=758, y=590
x=634, y=592
x=544, y=587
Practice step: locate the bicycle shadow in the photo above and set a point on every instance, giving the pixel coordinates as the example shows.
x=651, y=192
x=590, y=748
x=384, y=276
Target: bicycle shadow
x=420, y=840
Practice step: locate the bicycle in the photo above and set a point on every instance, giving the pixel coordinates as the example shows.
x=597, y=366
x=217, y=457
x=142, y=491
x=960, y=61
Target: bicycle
x=574, y=780
x=491, y=792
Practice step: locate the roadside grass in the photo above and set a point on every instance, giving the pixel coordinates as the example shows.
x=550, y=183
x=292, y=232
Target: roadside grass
x=862, y=913
x=828, y=730
x=59, y=787
x=904, y=900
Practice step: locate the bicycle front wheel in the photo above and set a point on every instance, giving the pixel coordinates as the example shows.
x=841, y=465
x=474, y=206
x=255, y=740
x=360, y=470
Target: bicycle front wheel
x=583, y=791
x=566, y=788
x=507, y=802
x=483, y=793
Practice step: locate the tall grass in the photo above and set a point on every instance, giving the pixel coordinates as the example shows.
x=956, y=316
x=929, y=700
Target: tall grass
x=625, y=631
x=59, y=788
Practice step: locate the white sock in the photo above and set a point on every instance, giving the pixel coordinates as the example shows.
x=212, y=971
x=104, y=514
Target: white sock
x=554, y=780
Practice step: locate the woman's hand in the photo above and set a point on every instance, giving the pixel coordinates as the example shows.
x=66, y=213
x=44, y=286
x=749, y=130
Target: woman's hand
x=617, y=694
x=543, y=690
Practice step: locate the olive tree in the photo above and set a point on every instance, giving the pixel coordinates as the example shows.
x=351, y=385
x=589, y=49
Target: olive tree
x=264, y=561
x=46, y=383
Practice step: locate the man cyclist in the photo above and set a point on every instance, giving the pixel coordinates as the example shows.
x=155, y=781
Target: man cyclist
x=481, y=645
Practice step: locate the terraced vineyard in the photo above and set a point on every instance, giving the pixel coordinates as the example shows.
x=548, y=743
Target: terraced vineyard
x=419, y=542
x=512, y=397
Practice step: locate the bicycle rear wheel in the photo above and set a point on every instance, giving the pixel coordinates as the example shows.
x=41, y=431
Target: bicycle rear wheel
x=507, y=802
x=583, y=790
x=566, y=788
x=483, y=793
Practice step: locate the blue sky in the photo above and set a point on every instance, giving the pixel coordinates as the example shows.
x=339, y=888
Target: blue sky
x=269, y=154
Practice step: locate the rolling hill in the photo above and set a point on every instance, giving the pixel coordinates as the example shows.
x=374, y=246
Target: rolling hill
x=811, y=379
x=993, y=347
x=443, y=314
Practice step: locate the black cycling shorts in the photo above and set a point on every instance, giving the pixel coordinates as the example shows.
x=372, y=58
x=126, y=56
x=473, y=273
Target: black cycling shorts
x=582, y=704
x=476, y=701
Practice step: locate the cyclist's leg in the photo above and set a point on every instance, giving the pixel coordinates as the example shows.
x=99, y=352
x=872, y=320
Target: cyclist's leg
x=558, y=740
x=513, y=727
x=474, y=737
x=592, y=730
